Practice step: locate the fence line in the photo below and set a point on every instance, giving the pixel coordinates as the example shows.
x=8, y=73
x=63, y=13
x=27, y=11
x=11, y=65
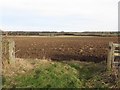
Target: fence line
x=114, y=51
x=113, y=63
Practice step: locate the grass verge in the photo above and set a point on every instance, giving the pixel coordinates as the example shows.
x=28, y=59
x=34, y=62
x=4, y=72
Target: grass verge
x=62, y=75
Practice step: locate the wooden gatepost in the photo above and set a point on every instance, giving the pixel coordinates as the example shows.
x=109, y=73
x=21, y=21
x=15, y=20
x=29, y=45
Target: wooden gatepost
x=8, y=51
x=113, y=61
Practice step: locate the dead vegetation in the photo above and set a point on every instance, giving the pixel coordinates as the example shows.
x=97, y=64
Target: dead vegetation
x=21, y=66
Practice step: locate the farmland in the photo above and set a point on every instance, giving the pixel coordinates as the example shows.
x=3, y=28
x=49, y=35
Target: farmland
x=63, y=48
x=60, y=62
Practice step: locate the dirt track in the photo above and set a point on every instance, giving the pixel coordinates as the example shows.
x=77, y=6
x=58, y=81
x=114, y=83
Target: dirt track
x=63, y=48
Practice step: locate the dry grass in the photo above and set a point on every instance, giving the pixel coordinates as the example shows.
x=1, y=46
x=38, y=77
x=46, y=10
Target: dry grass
x=21, y=66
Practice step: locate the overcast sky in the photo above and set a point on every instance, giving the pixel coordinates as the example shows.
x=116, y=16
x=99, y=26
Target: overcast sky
x=59, y=15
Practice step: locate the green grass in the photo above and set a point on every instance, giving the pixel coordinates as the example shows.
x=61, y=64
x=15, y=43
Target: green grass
x=61, y=75
x=50, y=77
x=90, y=74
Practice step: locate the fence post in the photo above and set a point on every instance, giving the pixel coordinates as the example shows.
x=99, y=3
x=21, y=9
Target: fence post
x=12, y=51
x=109, y=59
x=9, y=51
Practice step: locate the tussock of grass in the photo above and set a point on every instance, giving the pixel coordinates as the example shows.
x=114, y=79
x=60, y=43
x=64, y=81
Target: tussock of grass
x=55, y=75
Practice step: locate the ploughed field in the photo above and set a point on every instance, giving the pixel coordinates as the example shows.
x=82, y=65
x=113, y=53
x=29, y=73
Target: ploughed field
x=63, y=48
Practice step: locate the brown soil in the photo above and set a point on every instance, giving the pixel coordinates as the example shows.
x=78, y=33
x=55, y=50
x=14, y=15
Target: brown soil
x=64, y=48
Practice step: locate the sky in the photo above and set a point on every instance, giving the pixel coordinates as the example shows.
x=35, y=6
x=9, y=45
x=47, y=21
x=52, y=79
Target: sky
x=59, y=15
